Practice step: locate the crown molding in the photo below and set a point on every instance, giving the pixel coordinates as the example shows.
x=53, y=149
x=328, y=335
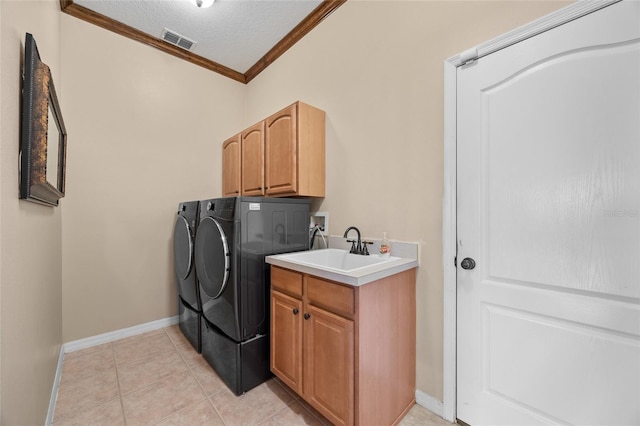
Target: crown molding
x=310, y=22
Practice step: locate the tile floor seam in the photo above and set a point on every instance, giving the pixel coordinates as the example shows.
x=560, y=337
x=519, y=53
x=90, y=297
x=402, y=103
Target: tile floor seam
x=274, y=414
x=179, y=411
x=152, y=354
x=115, y=362
x=138, y=358
x=151, y=385
x=208, y=397
x=77, y=412
x=190, y=368
x=286, y=407
x=157, y=379
x=216, y=410
x=298, y=399
x=321, y=419
x=170, y=339
x=175, y=346
x=294, y=396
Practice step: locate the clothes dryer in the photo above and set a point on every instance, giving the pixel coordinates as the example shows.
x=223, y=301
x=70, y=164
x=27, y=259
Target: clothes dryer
x=189, y=306
x=234, y=236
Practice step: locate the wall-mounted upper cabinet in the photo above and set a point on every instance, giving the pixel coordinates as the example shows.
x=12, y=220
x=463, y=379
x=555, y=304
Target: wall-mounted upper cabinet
x=231, y=166
x=282, y=156
x=253, y=160
x=295, y=151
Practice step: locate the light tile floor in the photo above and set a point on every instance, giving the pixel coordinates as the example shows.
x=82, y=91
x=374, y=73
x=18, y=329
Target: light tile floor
x=157, y=378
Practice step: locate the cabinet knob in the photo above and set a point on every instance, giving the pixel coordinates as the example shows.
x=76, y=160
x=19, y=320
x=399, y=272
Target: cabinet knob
x=307, y=316
x=295, y=311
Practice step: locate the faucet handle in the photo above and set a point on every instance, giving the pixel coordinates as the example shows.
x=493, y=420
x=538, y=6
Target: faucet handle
x=364, y=247
x=353, y=246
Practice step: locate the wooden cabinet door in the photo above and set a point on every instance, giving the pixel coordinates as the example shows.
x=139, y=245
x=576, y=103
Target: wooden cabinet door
x=281, y=152
x=253, y=160
x=231, y=167
x=286, y=339
x=329, y=365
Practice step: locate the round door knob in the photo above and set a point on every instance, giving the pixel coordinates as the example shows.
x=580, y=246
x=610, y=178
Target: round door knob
x=468, y=263
x=295, y=311
x=307, y=316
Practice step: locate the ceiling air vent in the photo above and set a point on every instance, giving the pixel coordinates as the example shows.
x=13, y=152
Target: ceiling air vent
x=175, y=38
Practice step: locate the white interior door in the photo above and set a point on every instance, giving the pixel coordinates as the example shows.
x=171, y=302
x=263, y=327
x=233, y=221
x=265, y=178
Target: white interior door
x=548, y=152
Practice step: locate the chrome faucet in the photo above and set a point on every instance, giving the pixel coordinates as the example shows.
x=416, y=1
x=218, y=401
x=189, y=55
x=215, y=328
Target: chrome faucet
x=356, y=245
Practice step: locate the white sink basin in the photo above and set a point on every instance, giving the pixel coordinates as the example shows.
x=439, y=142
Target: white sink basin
x=339, y=260
x=342, y=266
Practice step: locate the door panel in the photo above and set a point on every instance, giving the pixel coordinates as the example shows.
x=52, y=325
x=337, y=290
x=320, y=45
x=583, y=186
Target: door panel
x=231, y=167
x=329, y=365
x=549, y=171
x=549, y=208
x=286, y=339
x=281, y=152
x=252, y=180
x=529, y=352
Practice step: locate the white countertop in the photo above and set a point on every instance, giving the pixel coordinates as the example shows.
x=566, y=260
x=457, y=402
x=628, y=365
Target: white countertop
x=355, y=277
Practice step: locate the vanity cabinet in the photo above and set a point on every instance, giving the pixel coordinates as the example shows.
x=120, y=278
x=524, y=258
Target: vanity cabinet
x=281, y=156
x=349, y=351
x=231, y=167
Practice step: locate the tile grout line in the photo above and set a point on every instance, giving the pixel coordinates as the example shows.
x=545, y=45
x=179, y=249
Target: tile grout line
x=207, y=397
x=215, y=408
x=190, y=369
x=295, y=398
x=76, y=411
x=298, y=399
x=274, y=414
x=121, y=394
x=115, y=362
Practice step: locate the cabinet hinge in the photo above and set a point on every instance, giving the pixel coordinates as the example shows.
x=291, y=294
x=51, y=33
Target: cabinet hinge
x=455, y=262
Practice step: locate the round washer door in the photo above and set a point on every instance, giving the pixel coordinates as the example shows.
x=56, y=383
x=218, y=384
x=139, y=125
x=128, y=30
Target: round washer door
x=212, y=257
x=182, y=248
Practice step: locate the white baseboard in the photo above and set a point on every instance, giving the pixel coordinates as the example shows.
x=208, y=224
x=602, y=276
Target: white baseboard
x=95, y=341
x=54, y=390
x=429, y=402
x=119, y=334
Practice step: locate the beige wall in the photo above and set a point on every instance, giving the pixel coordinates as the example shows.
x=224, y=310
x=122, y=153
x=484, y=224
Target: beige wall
x=144, y=134
x=145, y=131
x=376, y=68
x=30, y=239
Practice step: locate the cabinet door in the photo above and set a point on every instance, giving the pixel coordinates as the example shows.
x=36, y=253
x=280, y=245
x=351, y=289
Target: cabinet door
x=231, y=166
x=253, y=160
x=329, y=365
x=286, y=339
x=281, y=152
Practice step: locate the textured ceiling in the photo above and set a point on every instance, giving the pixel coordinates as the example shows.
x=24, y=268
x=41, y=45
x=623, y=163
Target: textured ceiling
x=233, y=33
